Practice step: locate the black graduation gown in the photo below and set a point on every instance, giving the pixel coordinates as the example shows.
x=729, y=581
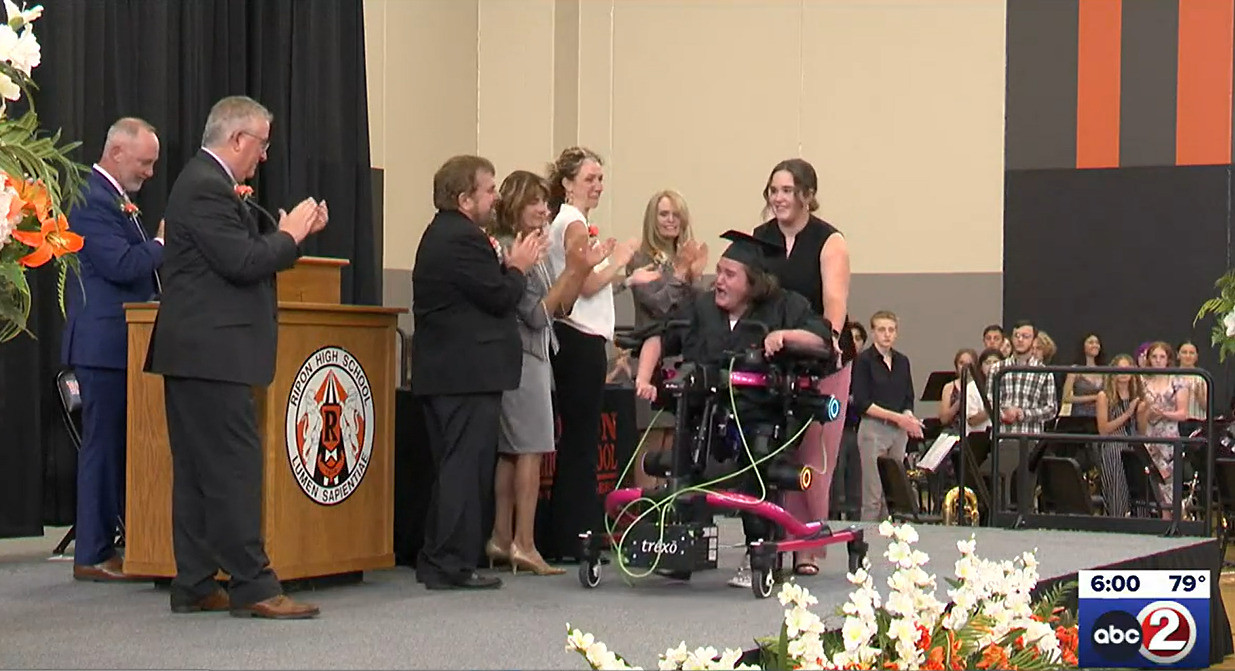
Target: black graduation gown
x=709, y=338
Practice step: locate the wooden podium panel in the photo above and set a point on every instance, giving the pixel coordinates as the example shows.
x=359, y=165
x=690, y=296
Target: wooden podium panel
x=334, y=387
x=314, y=279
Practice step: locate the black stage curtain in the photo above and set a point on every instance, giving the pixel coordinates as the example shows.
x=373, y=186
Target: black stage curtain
x=168, y=61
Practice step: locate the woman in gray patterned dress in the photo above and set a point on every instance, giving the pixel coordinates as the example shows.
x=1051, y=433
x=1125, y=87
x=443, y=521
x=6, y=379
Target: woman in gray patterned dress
x=1081, y=389
x=1167, y=397
x=667, y=247
x=1120, y=406
x=527, y=412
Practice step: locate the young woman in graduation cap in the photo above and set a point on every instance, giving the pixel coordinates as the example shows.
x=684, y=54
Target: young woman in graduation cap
x=745, y=290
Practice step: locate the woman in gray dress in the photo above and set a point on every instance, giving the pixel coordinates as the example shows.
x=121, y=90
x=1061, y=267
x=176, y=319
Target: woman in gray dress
x=669, y=248
x=527, y=412
x=1081, y=389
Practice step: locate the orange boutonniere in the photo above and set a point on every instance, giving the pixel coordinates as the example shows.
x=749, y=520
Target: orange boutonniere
x=129, y=208
x=593, y=231
x=244, y=191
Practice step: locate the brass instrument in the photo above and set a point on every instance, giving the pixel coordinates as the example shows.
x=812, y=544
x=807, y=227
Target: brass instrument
x=970, y=512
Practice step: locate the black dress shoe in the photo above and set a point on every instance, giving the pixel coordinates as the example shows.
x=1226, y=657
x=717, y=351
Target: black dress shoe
x=473, y=581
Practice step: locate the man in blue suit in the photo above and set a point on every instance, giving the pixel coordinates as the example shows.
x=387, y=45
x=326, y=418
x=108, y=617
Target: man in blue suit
x=119, y=264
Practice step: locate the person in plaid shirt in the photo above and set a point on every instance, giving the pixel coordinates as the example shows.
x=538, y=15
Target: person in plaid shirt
x=1026, y=400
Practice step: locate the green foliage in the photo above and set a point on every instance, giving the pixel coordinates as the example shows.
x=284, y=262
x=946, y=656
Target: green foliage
x=14, y=301
x=1220, y=306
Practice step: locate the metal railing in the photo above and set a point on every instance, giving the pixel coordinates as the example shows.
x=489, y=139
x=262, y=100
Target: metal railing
x=1024, y=517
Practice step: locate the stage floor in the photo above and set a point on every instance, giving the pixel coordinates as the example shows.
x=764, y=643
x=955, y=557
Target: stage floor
x=390, y=621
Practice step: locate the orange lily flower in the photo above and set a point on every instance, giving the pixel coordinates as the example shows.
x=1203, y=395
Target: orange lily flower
x=54, y=240
x=33, y=194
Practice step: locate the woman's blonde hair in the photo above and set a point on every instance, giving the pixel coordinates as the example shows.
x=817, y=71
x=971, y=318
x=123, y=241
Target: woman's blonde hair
x=1049, y=348
x=656, y=246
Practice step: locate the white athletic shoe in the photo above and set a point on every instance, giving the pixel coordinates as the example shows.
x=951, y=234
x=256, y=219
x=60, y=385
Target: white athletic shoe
x=742, y=578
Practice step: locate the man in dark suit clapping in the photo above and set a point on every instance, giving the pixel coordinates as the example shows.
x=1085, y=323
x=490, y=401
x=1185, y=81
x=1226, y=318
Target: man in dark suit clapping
x=466, y=351
x=118, y=265
x=214, y=340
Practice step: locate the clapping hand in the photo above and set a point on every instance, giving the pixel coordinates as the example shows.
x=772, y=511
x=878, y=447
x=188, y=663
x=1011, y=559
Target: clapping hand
x=700, y=260
x=643, y=275
x=690, y=260
x=587, y=254
x=322, y=216
x=527, y=250
x=300, y=222
x=623, y=252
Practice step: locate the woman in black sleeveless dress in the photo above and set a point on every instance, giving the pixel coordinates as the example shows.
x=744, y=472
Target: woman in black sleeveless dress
x=817, y=266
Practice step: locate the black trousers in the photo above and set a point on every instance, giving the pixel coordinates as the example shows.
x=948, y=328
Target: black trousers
x=463, y=433
x=579, y=368
x=216, y=491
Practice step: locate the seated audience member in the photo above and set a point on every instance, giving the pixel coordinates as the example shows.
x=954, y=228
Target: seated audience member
x=1167, y=399
x=847, y=475
x=977, y=405
x=669, y=248
x=1198, y=389
x=1026, y=400
x=1142, y=354
x=1044, y=348
x=1120, y=406
x=993, y=337
x=883, y=393
x=950, y=397
x=1081, y=389
x=745, y=291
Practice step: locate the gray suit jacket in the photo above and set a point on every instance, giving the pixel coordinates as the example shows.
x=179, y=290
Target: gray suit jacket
x=535, y=322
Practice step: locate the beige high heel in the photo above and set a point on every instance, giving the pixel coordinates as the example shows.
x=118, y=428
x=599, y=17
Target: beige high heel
x=496, y=554
x=538, y=566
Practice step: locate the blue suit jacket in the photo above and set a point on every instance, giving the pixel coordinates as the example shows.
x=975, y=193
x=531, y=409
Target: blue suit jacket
x=117, y=267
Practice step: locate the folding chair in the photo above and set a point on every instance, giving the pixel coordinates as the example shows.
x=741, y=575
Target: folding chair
x=1065, y=488
x=898, y=494
x=69, y=393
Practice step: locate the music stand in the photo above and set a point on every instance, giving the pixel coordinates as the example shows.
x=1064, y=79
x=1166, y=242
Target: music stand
x=935, y=384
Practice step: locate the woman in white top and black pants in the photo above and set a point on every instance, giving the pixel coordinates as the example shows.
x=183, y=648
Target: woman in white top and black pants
x=579, y=366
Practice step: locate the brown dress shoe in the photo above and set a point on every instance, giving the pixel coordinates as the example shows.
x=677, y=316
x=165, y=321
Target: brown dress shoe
x=281, y=607
x=215, y=602
x=111, y=570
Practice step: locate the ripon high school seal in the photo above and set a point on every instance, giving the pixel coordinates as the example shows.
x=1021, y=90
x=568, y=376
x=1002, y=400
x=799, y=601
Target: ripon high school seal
x=329, y=428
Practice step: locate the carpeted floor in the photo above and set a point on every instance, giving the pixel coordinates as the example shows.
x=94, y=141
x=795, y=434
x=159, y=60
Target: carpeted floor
x=49, y=621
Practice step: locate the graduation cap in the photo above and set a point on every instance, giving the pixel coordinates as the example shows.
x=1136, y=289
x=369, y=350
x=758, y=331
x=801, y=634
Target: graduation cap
x=753, y=252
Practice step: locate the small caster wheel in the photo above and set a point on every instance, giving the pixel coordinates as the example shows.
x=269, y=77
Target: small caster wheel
x=762, y=582
x=589, y=574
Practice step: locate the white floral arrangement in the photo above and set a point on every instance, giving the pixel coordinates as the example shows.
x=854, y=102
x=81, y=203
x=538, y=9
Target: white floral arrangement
x=989, y=623
x=1222, y=307
x=38, y=179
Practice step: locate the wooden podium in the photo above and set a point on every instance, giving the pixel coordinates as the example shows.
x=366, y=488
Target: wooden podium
x=327, y=425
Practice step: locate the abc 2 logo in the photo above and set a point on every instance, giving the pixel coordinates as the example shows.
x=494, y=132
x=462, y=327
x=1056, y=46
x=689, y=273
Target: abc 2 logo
x=1161, y=633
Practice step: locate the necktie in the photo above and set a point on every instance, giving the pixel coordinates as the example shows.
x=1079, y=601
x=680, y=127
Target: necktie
x=137, y=221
